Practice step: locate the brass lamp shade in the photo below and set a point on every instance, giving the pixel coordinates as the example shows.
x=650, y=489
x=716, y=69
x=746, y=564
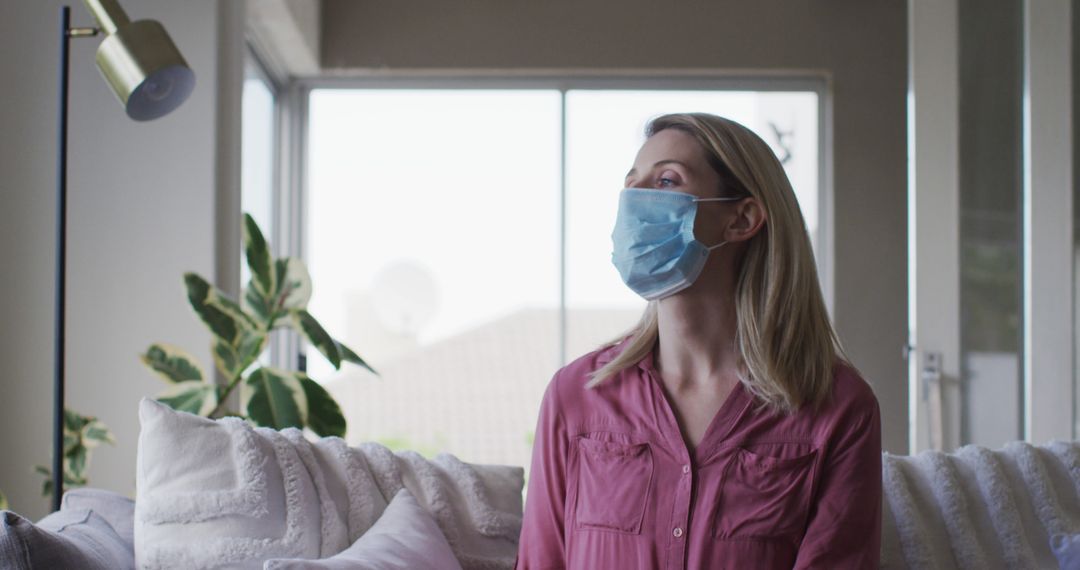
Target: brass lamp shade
x=141, y=63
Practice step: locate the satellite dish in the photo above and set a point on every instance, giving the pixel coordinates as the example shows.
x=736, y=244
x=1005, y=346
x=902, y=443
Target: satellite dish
x=405, y=297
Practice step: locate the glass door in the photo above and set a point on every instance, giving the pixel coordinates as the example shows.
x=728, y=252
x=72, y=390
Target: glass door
x=990, y=228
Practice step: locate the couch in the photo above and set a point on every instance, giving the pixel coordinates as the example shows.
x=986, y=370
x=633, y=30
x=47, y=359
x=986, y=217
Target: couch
x=1014, y=507
x=221, y=493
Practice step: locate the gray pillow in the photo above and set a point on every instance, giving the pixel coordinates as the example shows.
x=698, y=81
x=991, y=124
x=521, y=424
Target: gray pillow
x=77, y=538
x=116, y=509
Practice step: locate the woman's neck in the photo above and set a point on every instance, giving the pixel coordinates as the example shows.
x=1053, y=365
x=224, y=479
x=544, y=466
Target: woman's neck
x=697, y=333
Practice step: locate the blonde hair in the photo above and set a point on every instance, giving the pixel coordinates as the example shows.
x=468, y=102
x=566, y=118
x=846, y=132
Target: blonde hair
x=786, y=343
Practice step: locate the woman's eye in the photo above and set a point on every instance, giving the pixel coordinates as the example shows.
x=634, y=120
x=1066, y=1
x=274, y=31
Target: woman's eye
x=667, y=178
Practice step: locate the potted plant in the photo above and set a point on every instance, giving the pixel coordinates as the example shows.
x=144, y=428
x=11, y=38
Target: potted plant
x=81, y=435
x=276, y=297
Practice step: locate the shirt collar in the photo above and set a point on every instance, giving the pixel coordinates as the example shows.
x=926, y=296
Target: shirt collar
x=647, y=363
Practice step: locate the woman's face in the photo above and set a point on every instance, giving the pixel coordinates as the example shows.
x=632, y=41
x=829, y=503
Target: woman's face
x=673, y=160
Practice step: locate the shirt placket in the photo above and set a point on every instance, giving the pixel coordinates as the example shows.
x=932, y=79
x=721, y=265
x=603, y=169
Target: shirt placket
x=678, y=531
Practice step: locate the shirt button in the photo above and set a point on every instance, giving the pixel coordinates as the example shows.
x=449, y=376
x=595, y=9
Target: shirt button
x=685, y=468
x=677, y=532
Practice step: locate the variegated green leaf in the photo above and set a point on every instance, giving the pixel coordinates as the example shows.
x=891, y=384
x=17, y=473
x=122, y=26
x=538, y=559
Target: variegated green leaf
x=71, y=476
x=172, y=363
x=73, y=421
x=257, y=305
x=259, y=259
x=71, y=440
x=81, y=433
x=276, y=399
x=226, y=305
x=76, y=459
x=324, y=416
x=192, y=396
x=250, y=347
x=225, y=358
x=96, y=432
x=306, y=325
x=219, y=322
x=70, y=479
x=232, y=361
x=347, y=355
x=294, y=285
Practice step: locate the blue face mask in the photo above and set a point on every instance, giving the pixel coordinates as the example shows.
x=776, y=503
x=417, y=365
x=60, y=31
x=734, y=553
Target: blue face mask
x=654, y=246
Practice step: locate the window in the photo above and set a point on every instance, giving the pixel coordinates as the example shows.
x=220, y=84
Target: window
x=258, y=124
x=459, y=240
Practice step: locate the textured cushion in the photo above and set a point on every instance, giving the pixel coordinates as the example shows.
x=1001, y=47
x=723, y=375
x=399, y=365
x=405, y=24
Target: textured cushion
x=246, y=495
x=116, y=509
x=404, y=538
x=1066, y=548
x=980, y=508
x=76, y=538
x=212, y=493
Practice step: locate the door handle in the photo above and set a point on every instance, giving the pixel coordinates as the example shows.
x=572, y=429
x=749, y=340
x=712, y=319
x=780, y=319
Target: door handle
x=932, y=375
x=931, y=372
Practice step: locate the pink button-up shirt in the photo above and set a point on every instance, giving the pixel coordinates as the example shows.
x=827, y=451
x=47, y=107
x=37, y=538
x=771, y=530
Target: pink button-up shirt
x=613, y=486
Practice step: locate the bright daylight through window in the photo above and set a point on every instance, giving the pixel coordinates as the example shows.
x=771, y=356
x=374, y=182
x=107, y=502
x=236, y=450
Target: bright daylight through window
x=433, y=234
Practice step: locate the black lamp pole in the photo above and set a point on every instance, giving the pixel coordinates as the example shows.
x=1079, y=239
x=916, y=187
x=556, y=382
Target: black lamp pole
x=61, y=262
x=66, y=33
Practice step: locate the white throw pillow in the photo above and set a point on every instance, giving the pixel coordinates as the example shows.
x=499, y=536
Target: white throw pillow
x=220, y=493
x=212, y=494
x=404, y=538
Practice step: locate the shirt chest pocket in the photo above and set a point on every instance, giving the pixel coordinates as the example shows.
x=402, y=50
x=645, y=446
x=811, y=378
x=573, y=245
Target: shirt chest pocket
x=765, y=497
x=612, y=485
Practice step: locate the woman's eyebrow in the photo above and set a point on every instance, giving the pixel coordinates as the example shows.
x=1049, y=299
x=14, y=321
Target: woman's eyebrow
x=662, y=162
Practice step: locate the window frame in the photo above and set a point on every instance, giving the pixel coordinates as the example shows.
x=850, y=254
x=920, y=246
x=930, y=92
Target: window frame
x=283, y=346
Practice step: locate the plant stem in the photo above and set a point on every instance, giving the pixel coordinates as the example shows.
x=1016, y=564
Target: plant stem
x=225, y=396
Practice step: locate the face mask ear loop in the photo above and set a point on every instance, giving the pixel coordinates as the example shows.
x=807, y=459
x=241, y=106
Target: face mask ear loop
x=724, y=199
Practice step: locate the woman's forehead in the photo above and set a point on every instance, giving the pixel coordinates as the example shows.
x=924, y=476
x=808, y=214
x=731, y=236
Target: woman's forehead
x=670, y=146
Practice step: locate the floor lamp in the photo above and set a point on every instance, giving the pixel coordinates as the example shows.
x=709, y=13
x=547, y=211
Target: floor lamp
x=151, y=78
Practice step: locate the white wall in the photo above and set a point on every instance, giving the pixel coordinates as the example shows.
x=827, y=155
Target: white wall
x=141, y=212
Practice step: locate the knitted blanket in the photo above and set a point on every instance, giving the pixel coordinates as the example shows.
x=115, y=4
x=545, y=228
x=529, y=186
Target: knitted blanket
x=979, y=508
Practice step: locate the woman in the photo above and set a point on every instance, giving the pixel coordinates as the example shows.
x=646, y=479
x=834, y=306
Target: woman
x=725, y=430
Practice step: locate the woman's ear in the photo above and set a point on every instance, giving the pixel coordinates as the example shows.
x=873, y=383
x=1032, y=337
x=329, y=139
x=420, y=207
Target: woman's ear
x=747, y=221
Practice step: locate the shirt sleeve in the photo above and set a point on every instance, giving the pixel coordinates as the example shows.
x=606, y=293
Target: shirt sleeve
x=542, y=543
x=844, y=531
